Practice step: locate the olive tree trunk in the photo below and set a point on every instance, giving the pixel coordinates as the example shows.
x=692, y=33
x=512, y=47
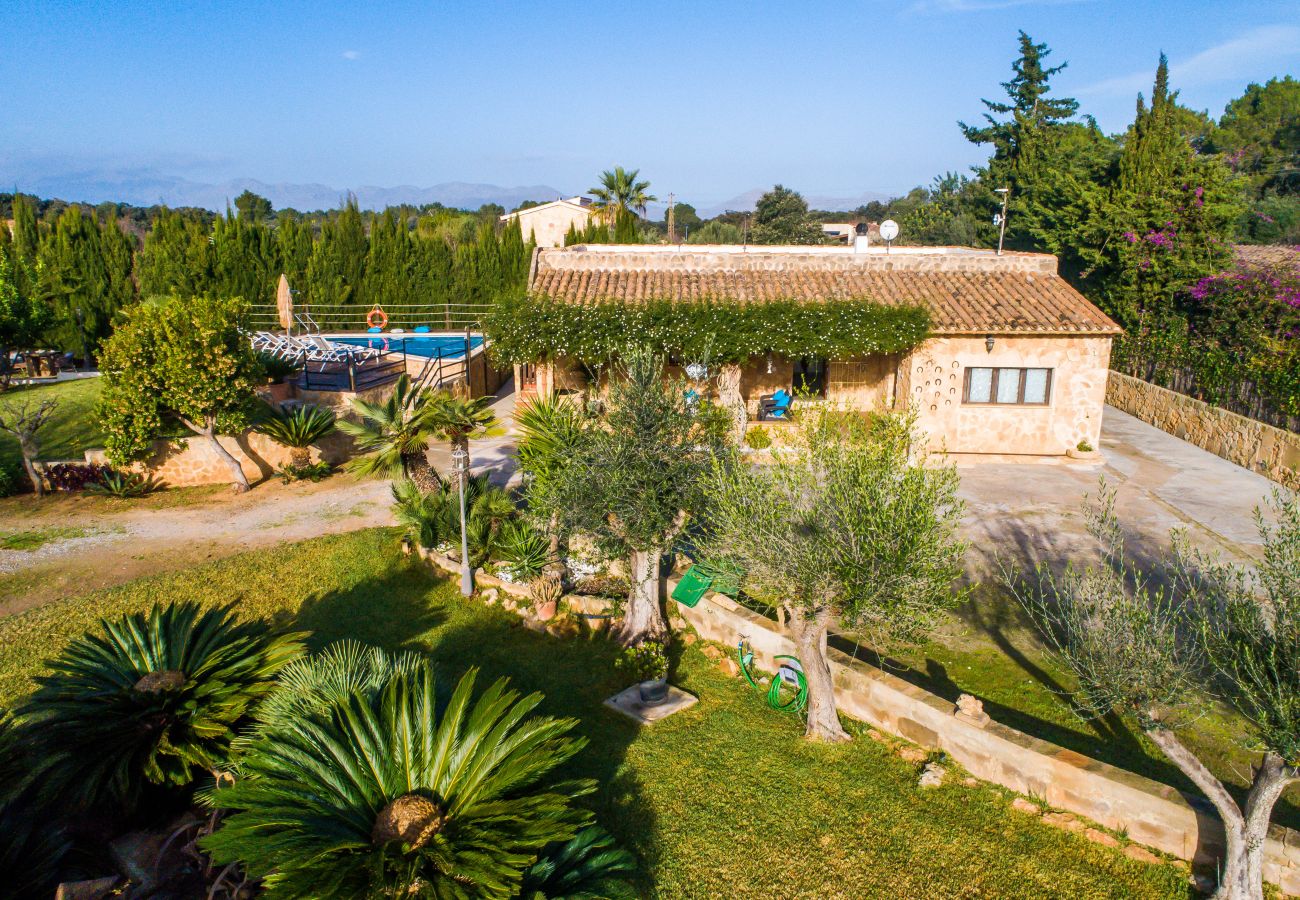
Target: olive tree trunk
x=27, y=447
x=730, y=399
x=238, y=480
x=808, y=628
x=1242, y=868
x=643, y=619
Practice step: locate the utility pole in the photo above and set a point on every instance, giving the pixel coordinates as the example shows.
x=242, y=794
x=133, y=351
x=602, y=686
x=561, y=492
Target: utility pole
x=1002, y=218
x=672, y=218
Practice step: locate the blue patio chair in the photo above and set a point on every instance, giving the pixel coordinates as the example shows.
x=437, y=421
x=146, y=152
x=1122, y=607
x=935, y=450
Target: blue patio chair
x=775, y=406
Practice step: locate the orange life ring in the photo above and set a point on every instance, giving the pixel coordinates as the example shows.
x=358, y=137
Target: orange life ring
x=376, y=318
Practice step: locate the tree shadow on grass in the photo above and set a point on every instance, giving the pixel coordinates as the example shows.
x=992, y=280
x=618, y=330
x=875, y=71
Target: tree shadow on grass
x=409, y=610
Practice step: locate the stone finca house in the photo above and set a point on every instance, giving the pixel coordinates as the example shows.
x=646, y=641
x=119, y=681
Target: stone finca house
x=546, y=224
x=1014, y=362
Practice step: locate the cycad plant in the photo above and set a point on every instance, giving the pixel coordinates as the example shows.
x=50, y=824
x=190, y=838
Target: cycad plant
x=589, y=866
x=381, y=795
x=297, y=427
x=394, y=435
x=155, y=699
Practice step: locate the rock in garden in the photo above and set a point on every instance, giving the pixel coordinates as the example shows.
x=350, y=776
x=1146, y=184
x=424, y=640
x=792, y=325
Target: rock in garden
x=970, y=709
x=490, y=596
x=1141, y=854
x=913, y=754
x=94, y=889
x=1064, y=821
x=1100, y=837
x=1025, y=806
x=688, y=639
x=729, y=667
x=711, y=651
x=932, y=775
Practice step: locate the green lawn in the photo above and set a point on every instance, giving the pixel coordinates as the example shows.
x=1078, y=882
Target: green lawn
x=72, y=429
x=724, y=800
x=991, y=651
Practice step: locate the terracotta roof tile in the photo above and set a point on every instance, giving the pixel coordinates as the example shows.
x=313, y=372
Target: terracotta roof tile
x=959, y=302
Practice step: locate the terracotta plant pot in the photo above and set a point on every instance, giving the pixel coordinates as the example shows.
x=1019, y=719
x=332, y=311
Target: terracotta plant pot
x=653, y=692
x=546, y=611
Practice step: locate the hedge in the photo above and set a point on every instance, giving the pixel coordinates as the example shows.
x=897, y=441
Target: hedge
x=525, y=329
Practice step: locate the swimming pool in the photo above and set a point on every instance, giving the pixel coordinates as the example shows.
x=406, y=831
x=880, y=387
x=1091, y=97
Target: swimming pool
x=446, y=346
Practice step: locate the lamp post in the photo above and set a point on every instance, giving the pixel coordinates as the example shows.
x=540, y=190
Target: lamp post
x=460, y=464
x=1001, y=218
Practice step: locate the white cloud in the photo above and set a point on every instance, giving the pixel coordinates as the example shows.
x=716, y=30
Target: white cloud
x=1238, y=58
x=960, y=6
x=351, y=54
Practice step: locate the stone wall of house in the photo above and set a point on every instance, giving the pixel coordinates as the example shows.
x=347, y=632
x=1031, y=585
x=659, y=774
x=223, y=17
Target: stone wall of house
x=932, y=378
x=1272, y=452
x=863, y=383
x=1150, y=813
x=690, y=257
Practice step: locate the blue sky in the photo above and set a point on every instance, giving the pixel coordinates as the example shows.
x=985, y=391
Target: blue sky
x=709, y=99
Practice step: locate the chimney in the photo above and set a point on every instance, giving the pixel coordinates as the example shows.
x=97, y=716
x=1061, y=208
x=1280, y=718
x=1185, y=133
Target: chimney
x=860, y=240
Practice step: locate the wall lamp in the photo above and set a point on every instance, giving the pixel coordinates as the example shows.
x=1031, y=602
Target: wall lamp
x=988, y=343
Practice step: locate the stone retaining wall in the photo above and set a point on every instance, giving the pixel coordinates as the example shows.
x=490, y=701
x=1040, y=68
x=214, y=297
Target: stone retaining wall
x=1151, y=813
x=1270, y=451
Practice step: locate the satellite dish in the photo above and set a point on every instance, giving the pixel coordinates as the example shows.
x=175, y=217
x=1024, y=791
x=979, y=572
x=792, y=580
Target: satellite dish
x=888, y=230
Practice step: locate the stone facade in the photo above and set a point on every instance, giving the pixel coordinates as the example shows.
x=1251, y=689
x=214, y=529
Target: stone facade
x=1150, y=813
x=933, y=378
x=1254, y=445
x=193, y=461
x=548, y=223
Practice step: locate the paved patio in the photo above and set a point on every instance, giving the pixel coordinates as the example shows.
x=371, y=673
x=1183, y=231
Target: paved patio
x=1161, y=483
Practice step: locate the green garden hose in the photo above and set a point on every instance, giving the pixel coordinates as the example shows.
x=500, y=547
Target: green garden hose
x=791, y=702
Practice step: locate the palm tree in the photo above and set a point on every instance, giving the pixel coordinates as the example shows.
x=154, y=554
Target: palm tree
x=394, y=435
x=457, y=419
x=433, y=517
x=619, y=191
x=549, y=430
x=153, y=700
x=298, y=428
x=377, y=793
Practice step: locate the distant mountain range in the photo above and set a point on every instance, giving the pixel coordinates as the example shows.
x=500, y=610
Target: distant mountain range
x=146, y=190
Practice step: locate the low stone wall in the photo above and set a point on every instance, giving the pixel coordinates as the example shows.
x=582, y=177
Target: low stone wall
x=1151, y=813
x=1254, y=445
x=194, y=461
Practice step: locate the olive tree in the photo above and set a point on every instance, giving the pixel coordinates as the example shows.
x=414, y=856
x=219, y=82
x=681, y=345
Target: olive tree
x=1158, y=645
x=178, y=360
x=853, y=527
x=23, y=418
x=634, y=477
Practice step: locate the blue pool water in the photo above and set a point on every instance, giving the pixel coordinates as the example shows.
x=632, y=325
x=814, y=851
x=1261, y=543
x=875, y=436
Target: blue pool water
x=448, y=346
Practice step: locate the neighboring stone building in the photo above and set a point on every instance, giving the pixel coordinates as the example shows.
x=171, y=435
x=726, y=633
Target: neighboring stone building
x=1016, y=361
x=548, y=223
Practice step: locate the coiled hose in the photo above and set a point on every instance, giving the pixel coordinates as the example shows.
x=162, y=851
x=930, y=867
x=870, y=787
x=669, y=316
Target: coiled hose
x=781, y=695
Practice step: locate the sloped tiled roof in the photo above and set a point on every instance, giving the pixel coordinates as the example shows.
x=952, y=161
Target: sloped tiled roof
x=1022, y=298
x=1268, y=254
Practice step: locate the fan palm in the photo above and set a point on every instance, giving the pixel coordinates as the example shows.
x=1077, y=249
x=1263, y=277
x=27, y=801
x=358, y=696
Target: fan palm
x=394, y=435
x=297, y=428
x=457, y=419
x=433, y=518
x=378, y=794
x=154, y=699
x=619, y=190
x=589, y=866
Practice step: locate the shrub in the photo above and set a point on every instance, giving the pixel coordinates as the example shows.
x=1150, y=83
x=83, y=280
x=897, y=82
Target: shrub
x=757, y=438
x=379, y=793
x=124, y=485
x=312, y=472
x=589, y=865
x=11, y=478
x=277, y=368
x=432, y=518
x=297, y=427
x=524, y=551
x=152, y=700
x=645, y=661
x=75, y=476
x=1084, y=447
